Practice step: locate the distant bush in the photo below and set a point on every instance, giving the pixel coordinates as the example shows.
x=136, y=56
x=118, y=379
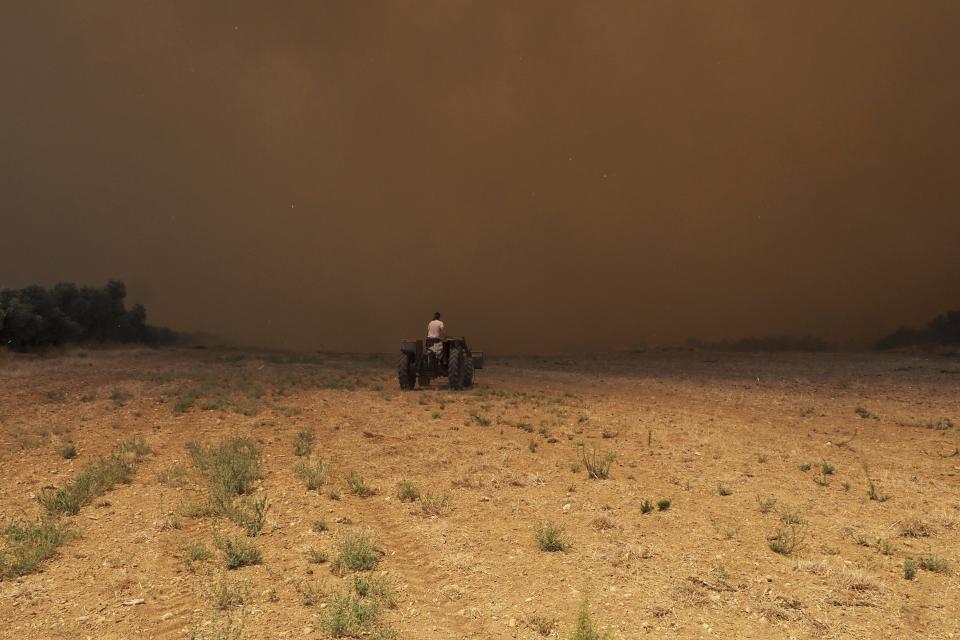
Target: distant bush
x=942, y=330
x=65, y=313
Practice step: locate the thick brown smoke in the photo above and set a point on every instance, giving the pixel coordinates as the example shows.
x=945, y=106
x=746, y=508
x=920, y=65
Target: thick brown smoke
x=550, y=175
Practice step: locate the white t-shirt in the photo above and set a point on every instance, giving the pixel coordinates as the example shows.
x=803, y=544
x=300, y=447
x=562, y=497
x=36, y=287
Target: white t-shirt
x=435, y=329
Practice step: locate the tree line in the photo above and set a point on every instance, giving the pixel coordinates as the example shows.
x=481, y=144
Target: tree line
x=36, y=316
x=944, y=330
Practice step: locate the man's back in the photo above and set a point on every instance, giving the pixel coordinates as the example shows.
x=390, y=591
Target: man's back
x=435, y=329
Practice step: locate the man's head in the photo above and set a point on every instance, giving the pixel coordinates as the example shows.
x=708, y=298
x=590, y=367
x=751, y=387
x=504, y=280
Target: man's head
x=436, y=315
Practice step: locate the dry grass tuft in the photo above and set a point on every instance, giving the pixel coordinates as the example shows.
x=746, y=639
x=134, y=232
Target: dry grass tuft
x=916, y=528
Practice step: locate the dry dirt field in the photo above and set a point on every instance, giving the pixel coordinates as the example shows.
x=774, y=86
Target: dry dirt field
x=801, y=489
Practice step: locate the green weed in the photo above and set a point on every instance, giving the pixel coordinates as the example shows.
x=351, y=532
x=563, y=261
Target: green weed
x=313, y=473
x=550, y=537
x=434, y=504
x=598, y=467
x=933, y=564
x=303, y=445
x=766, y=504
x=29, y=544
x=96, y=479
x=358, y=487
x=356, y=552
x=584, y=628
x=408, y=492
x=238, y=552
x=787, y=539
x=909, y=569
x=231, y=466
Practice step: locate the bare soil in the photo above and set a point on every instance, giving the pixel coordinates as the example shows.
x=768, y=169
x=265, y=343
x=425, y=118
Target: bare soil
x=684, y=426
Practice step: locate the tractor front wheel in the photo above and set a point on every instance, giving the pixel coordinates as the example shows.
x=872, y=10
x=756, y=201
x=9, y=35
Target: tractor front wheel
x=406, y=373
x=455, y=368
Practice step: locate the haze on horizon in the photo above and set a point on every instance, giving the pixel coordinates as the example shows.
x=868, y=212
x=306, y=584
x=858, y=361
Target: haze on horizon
x=550, y=176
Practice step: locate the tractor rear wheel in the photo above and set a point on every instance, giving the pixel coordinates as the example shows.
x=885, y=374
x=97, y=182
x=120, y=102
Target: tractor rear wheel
x=467, y=370
x=455, y=368
x=405, y=372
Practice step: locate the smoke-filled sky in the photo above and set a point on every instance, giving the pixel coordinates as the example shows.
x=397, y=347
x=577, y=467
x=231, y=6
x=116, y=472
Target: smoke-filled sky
x=549, y=175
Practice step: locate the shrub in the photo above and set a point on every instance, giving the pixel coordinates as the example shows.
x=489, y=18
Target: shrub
x=909, y=569
x=598, y=467
x=872, y=491
x=723, y=490
x=96, y=479
x=69, y=452
x=550, y=537
x=309, y=594
x=358, y=487
x=663, y=505
x=28, y=545
x=356, y=552
x=303, y=445
x=786, y=540
x=375, y=586
x=197, y=553
x=120, y=397
x=645, y=506
x=248, y=513
x=916, y=528
x=350, y=616
x=434, y=504
x=185, y=402
x=225, y=594
x=319, y=525
x=791, y=517
x=317, y=556
x=231, y=467
x=312, y=473
x=934, y=564
x=408, y=492
x=137, y=448
x=237, y=552
x=766, y=504
x=584, y=628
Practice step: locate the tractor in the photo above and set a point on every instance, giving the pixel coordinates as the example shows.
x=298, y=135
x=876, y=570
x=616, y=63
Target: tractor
x=453, y=360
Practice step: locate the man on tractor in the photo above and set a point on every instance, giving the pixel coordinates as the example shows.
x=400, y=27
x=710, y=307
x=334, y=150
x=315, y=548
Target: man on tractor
x=436, y=332
x=443, y=357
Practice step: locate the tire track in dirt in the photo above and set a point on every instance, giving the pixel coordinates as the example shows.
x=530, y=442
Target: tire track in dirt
x=414, y=563
x=171, y=614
